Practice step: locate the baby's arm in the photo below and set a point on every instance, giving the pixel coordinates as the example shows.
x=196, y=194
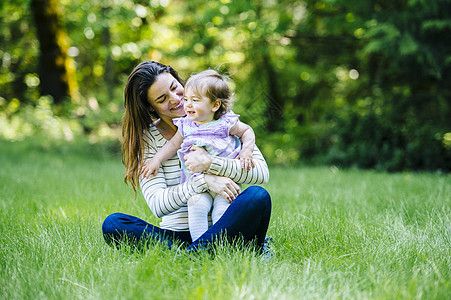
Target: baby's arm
x=247, y=136
x=169, y=150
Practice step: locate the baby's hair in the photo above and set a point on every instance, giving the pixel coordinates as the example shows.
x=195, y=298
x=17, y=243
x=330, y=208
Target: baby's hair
x=211, y=84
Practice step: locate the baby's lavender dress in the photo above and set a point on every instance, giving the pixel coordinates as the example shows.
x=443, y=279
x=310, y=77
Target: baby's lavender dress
x=213, y=136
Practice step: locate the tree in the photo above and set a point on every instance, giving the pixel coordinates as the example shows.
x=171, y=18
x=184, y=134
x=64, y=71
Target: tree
x=55, y=71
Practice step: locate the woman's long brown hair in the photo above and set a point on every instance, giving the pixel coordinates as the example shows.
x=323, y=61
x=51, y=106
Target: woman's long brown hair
x=138, y=115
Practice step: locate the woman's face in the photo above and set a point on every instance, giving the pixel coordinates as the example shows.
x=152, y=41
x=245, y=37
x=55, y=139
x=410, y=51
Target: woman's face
x=166, y=96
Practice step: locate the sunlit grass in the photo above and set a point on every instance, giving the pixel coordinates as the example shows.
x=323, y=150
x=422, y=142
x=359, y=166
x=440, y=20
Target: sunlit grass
x=337, y=234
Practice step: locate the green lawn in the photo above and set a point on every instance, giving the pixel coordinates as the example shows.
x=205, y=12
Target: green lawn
x=337, y=234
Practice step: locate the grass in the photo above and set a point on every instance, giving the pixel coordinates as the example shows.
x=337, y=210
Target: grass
x=338, y=234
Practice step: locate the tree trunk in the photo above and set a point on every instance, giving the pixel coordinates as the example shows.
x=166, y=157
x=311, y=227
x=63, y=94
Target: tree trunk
x=109, y=67
x=56, y=78
x=274, y=110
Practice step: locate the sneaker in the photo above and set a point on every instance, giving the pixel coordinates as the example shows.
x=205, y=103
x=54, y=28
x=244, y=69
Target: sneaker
x=202, y=246
x=266, y=253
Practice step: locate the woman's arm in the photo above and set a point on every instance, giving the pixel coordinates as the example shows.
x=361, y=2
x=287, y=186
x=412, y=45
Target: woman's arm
x=162, y=199
x=231, y=168
x=198, y=160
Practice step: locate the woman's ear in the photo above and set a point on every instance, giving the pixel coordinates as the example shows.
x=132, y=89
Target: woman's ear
x=216, y=105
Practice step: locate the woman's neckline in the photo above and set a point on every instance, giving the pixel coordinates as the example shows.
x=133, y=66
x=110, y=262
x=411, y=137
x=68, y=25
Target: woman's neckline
x=164, y=129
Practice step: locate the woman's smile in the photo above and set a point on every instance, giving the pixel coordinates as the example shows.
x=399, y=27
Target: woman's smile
x=178, y=106
x=166, y=97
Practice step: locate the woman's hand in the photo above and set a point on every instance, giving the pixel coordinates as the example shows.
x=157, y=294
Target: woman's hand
x=197, y=160
x=223, y=186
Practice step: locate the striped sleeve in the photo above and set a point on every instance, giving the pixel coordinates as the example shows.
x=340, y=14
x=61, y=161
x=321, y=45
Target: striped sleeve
x=231, y=168
x=163, y=200
x=163, y=193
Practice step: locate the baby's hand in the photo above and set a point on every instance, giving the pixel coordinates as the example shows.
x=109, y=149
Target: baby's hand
x=150, y=168
x=246, y=159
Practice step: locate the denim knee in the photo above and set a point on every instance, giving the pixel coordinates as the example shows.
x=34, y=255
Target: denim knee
x=108, y=226
x=260, y=195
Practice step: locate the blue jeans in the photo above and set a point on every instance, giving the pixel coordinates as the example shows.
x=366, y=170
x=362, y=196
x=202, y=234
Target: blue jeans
x=247, y=217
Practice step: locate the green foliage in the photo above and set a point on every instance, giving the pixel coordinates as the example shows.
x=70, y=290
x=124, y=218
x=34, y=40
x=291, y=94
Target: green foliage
x=39, y=122
x=18, y=52
x=404, y=118
x=301, y=71
x=378, y=136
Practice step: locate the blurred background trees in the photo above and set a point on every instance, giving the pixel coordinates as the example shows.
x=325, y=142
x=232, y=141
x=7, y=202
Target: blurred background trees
x=351, y=83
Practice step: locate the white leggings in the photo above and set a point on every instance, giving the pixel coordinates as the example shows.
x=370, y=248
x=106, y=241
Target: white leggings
x=198, y=208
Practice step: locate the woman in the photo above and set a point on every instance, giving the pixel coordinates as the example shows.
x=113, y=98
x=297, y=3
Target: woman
x=153, y=98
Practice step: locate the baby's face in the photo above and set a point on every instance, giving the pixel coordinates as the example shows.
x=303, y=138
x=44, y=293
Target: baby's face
x=198, y=108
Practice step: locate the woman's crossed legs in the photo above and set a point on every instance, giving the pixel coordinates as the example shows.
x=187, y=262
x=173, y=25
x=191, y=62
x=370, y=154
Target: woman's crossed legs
x=247, y=217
